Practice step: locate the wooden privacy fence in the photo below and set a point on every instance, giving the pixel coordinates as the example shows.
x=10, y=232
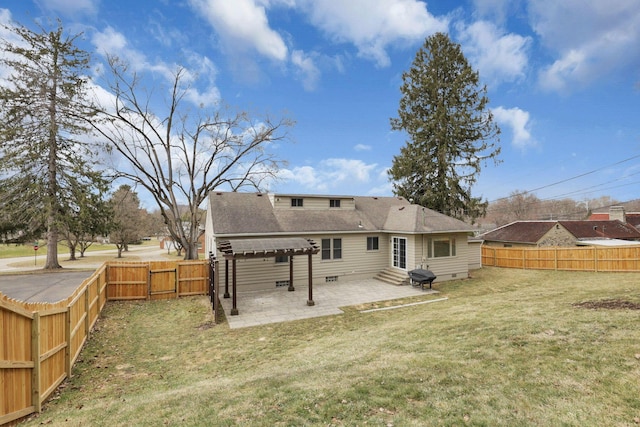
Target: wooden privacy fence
x=592, y=258
x=40, y=342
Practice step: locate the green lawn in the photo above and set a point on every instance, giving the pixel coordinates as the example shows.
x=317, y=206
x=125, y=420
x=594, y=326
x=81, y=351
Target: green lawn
x=26, y=250
x=508, y=348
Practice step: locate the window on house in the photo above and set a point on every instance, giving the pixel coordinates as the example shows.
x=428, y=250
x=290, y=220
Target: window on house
x=337, y=248
x=296, y=202
x=334, y=203
x=441, y=247
x=282, y=259
x=372, y=243
x=331, y=248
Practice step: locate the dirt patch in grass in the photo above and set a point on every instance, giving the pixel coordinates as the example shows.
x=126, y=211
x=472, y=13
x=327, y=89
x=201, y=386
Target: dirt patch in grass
x=610, y=304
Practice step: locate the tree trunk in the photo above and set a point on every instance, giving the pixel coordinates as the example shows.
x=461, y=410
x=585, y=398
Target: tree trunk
x=120, y=247
x=51, y=262
x=52, y=175
x=72, y=253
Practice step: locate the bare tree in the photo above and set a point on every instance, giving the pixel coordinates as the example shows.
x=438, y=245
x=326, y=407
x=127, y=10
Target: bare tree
x=181, y=157
x=520, y=205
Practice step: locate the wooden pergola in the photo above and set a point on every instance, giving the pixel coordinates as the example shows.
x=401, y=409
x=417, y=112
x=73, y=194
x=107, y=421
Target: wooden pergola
x=235, y=249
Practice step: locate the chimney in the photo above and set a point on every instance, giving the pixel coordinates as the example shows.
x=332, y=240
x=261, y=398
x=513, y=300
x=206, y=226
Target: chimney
x=617, y=212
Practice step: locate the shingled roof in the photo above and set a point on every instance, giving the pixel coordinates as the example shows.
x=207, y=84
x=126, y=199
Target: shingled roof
x=519, y=232
x=235, y=213
x=532, y=231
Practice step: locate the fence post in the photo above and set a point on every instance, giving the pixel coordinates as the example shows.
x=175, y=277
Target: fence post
x=67, y=337
x=36, y=401
x=87, y=310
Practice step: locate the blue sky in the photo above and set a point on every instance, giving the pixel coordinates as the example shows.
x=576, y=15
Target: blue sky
x=563, y=78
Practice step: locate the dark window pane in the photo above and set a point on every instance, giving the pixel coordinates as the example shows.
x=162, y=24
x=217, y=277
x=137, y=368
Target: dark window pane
x=326, y=248
x=337, y=248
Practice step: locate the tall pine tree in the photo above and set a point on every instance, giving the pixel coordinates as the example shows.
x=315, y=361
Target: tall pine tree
x=451, y=131
x=43, y=108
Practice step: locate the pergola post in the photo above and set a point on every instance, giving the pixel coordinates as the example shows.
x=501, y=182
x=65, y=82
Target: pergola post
x=291, y=288
x=310, y=300
x=226, y=278
x=234, y=309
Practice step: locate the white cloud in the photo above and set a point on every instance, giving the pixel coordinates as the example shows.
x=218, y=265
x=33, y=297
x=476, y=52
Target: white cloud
x=519, y=122
x=591, y=39
x=307, y=69
x=243, y=25
x=374, y=25
x=330, y=175
x=496, y=10
x=362, y=147
x=498, y=56
x=198, y=75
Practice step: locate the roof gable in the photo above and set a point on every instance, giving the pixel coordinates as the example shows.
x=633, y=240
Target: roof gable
x=418, y=219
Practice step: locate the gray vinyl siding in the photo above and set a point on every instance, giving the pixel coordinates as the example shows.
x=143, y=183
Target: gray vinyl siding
x=356, y=263
x=310, y=202
x=475, y=254
x=446, y=268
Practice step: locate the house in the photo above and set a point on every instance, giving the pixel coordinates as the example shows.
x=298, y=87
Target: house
x=562, y=233
x=354, y=237
x=618, y=212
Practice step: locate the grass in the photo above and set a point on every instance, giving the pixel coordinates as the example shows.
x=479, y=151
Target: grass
x=508, y=348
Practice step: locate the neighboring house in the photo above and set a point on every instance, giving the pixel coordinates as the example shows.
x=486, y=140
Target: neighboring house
x=618, y=212
x=561, y=233
x=356, y=237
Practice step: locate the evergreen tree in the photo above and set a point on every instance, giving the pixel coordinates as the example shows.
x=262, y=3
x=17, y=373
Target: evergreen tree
x=43, y=113
x=444, y=112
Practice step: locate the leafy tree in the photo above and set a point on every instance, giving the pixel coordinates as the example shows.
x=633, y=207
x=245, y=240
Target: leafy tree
x=444, y=112
x=128, y=218
x=43, y=108
x=179, y=156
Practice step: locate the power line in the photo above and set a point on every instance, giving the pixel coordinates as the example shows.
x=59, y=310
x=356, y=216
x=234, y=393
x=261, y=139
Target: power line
x=570, y=178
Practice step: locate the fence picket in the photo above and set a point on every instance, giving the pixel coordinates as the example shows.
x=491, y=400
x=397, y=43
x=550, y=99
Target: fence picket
x=596, y=259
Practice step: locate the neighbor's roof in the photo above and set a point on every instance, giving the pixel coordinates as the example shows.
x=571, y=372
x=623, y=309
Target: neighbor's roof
x=236, y=213
x=607, y=242
x=595, y=229
x=519, y=231
x=533, y=231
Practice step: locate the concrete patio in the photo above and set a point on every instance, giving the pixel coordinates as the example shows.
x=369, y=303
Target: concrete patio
x=280, y=305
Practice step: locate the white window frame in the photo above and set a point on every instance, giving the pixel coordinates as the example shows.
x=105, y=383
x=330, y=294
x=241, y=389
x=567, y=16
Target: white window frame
x=332, y=249
x=434, y=251
x=398, y=252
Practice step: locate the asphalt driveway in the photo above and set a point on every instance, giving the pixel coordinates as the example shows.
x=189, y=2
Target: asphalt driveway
x=42, y=287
